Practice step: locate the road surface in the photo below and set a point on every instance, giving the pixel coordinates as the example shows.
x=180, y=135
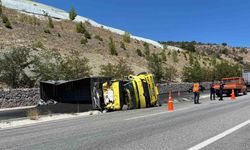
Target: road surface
x=210, y=125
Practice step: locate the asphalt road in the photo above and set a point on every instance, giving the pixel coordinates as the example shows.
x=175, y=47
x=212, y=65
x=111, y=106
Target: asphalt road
x=154, y=128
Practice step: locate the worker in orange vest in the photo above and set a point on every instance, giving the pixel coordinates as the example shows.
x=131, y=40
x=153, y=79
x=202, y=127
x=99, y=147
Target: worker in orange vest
x=196, y=90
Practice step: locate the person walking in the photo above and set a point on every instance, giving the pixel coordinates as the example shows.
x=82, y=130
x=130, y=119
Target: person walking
x=221, y=90
x=212, y=91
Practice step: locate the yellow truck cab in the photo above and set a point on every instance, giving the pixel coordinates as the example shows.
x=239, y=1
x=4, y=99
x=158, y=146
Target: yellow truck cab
x=136, y=92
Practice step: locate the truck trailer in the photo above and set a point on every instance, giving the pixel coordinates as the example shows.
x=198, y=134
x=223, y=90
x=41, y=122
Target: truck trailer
x=103, y=93
x=246, y=76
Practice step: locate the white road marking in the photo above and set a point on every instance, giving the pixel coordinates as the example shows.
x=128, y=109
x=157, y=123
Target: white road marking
x=219, y=136
x=17, y=108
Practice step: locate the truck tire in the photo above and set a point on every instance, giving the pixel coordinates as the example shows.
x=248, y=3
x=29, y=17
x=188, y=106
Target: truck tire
x=245, y=93
x=236, y=93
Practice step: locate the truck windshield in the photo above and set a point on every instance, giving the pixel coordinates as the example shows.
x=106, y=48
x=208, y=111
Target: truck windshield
x=232, y=81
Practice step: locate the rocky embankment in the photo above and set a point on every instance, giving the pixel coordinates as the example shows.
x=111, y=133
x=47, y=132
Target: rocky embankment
x=18, y=97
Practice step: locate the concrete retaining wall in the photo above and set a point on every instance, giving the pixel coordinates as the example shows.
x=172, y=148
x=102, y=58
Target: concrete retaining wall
x=175, y=87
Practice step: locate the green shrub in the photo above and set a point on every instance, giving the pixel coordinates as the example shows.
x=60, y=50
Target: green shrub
x=122, y=45
x=80, y=28
x=112, y=48
x=37, y=44
x=46, y=30
x=175, y=57
x=13, y=68
x=84, y=41
x=191, y=58
x=72, y=14
x=224, y=51
x=163, y=56
x=126, y=37
x=8, y=25
x=50, y=24
x=146, y=50
x=4, y=19
x=87, y=35
x=139, y=52
x=33, y=114
x=155, y=66
x=98, y=38
x=170, y=73
x=53, y=66
x=6, y=22
x=118, y=71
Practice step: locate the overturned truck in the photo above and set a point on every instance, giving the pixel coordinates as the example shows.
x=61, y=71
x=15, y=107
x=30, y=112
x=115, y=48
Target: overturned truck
x=103, y=93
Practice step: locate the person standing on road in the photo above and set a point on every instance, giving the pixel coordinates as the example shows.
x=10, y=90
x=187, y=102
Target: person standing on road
x=196, y=90
x=221, y=91
x=212, y=91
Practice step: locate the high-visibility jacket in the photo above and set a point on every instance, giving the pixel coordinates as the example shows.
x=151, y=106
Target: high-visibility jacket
x=196, y=87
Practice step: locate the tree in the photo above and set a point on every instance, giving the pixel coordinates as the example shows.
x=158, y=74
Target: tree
x=80, y=28
x=118, y=71
x=163, y=56
x=155, y=66
x=75, y=66
x=175, y=57
x=193, y=73
x=225, y=69
x=146, y=50
x=14, y=66
x=126, y=37
x=112, y=48
x=191, y=58
x=53, y=66
x=122, y=45
x=6, y=22
x=224, y=44
x=107, y=70
x=214, y=59
x=50, y=66
x=139, y=53
x=72, y=14
x=170, y=73
x=50, y=24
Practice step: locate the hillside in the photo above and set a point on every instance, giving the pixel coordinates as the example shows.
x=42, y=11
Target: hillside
x=224, y=51
x=28, y=30
x=41, y=28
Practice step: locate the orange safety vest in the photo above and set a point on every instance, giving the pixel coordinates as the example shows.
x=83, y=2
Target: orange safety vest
x=196, y=87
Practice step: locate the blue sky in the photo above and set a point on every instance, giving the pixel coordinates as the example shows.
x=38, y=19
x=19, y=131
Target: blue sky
x=213, y=21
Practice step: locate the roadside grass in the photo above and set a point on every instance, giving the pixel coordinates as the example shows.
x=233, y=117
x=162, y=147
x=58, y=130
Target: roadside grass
x=33, y=114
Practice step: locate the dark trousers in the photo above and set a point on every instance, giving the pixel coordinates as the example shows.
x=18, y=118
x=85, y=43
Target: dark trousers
x=212, y=95
x=196, y=97
x=221, y=95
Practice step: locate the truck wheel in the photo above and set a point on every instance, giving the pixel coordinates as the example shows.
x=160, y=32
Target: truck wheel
x=245, y=93
x=236, y=93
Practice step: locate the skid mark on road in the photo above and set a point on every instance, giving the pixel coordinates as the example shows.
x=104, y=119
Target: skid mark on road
x=219, y=136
